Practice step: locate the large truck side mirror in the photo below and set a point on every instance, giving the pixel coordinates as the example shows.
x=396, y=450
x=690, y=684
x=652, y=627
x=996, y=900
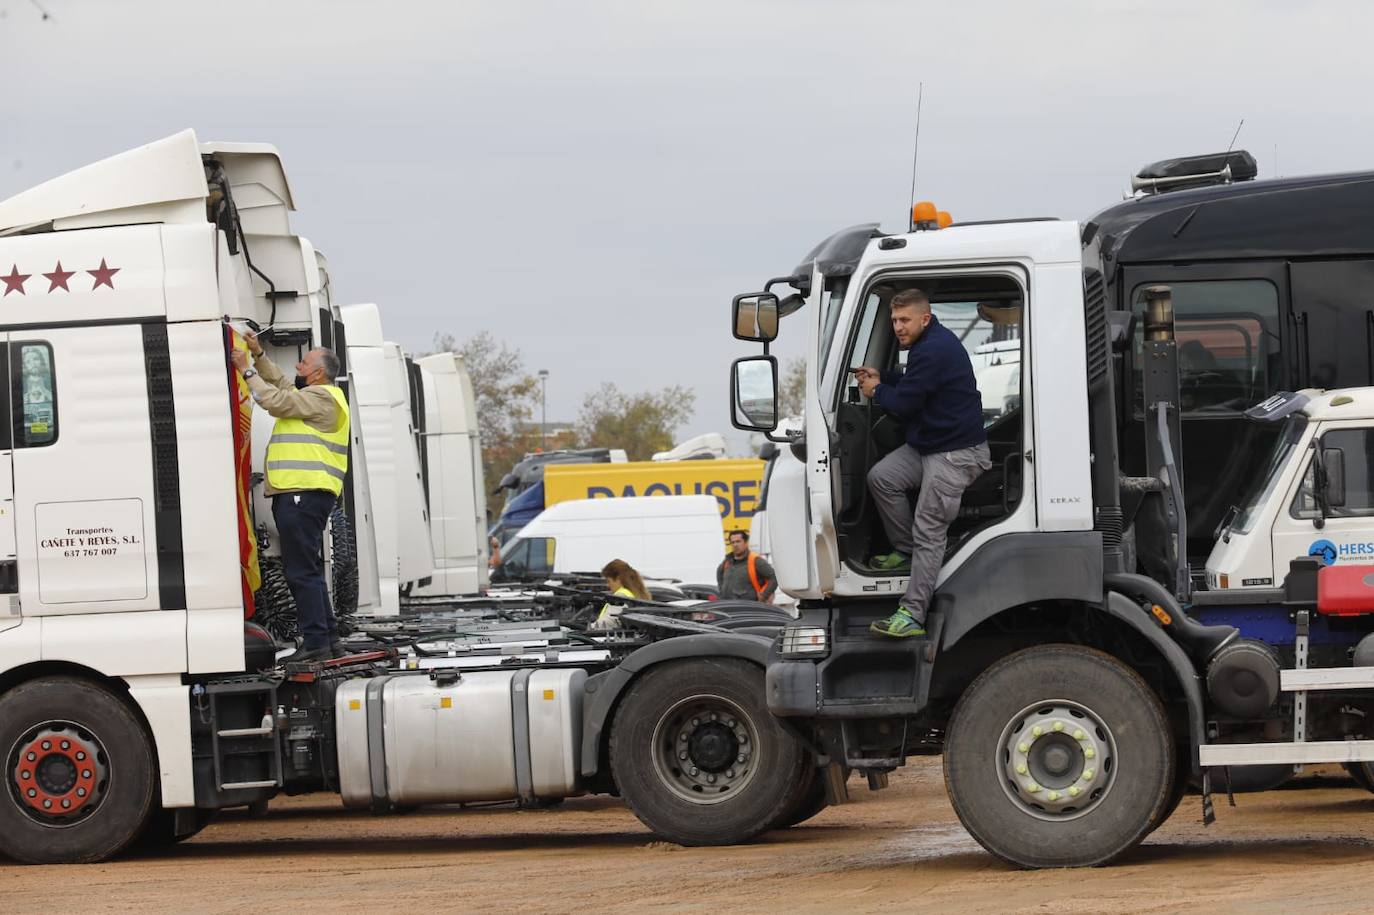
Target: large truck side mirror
x=754, y=317
x=754, y=394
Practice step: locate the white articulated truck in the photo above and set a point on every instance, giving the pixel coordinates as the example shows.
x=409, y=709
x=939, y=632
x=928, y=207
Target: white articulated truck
x=451, y=463
x=404, y=549
x=1073, y=696
x=287, y=300
x=134, y=698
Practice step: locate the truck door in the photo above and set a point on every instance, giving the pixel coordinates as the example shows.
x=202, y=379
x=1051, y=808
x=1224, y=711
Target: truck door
x=9, y=560
x=823, y=547
x=91, y=475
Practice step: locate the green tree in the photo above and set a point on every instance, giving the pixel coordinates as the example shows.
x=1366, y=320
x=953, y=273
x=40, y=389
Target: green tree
x=507, y=398
x=640, y=423
x=792, y=388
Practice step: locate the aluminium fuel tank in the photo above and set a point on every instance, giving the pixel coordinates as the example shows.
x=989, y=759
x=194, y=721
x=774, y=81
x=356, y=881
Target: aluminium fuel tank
x=443, y=737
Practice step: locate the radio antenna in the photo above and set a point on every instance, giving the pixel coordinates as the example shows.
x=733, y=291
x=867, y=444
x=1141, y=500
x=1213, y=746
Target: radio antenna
x=1234, y=135
x=915, y=152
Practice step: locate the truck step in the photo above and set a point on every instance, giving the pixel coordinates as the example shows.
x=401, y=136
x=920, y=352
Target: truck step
x=234, y=786
x=245, y=732
x=1326, y=678
x=1258, y=754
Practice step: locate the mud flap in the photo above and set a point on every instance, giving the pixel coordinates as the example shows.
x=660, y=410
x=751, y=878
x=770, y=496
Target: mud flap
x=836, y=784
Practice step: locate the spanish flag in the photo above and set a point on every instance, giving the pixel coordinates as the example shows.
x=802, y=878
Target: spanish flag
x=251, y=576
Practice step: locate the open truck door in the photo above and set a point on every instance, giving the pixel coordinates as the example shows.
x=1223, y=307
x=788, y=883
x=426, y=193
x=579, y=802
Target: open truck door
x=802, y=530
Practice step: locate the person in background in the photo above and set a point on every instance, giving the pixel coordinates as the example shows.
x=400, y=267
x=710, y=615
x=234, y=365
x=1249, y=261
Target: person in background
x=307, y=463
x=745, y=575
x=623, y=581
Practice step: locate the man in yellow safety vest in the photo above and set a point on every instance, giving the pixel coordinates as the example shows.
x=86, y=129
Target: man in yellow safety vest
x=307, y=463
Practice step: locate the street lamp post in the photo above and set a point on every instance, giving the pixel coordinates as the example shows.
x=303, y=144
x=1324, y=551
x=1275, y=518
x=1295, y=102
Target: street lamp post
x=543, y=413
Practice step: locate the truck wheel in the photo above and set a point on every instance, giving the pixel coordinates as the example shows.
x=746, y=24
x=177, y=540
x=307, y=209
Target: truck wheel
x=1183, y=782
x=79, y=772
x=161, y=830
x=1362, y=773
x=697, y=756
x=808, y=801
x=1250, y=779
x=1059, y=756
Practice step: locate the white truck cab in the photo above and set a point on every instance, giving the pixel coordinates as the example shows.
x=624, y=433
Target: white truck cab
x=1011, y=272
x=1324, y=433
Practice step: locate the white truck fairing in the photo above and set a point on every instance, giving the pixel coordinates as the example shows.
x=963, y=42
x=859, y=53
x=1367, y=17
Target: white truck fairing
x=457, y=494
x=403, y=546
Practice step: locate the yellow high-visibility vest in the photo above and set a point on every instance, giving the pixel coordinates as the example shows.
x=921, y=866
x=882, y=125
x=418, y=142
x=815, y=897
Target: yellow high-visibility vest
x=299, y=456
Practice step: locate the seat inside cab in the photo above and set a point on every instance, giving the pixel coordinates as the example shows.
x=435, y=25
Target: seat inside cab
x=984, y=311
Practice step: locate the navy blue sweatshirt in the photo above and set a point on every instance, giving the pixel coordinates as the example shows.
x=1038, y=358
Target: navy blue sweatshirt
x=936, y=396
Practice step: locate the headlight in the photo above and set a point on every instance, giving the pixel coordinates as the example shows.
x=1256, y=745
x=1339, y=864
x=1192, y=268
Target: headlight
x=804, y=642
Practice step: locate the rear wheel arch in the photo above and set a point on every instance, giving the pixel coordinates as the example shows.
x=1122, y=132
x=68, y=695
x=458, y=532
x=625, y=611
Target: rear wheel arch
x=605, y=691
x=1115, y=626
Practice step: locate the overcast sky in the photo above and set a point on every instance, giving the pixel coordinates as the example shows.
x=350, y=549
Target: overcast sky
x=591, y=182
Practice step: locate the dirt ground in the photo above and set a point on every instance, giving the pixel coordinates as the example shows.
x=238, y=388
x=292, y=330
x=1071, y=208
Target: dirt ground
x=894, y=850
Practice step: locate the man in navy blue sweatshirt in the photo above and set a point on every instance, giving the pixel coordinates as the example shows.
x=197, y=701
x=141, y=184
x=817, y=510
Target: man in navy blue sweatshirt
x=946, y=450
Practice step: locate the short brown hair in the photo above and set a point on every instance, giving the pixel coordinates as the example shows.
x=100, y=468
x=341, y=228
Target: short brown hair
x=910, y=298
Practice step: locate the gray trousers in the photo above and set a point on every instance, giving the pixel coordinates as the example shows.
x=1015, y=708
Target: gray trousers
x=941, y=480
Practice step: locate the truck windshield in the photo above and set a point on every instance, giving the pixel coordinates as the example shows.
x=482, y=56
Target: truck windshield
x=1263, y=489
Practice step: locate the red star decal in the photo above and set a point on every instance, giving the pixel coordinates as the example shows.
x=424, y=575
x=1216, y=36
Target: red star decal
x=15, y=281
x=58, y=278
x=103, y=276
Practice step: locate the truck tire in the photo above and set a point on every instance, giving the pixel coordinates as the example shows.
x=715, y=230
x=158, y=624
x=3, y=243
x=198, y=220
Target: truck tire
x=698, y=758
x=79, y=770
x=807, y=801
x=1183, y=783
x=1251, y=779
x=1059, y=756
x=161, y=830
x=1362, y=773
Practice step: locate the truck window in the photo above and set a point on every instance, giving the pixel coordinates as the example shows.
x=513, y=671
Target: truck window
x=34, y=385
x=1357, y=453
x=1228, y=344
x=833, y=296
x=529, y=556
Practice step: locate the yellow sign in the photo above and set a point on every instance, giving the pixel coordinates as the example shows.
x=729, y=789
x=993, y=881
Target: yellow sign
x=735, y=484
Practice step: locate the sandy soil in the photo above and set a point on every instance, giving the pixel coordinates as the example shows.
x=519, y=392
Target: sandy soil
x=894, y=850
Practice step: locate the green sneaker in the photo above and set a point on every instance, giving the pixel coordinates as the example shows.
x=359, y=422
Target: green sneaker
x=900, y=625
x=891, y=562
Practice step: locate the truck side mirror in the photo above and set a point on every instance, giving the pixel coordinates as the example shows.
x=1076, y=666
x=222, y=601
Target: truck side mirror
x=754, y=317
x=1333, y=462
x=754, y=393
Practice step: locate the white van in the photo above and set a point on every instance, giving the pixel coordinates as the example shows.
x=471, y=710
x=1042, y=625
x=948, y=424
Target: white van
x=661, y=536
